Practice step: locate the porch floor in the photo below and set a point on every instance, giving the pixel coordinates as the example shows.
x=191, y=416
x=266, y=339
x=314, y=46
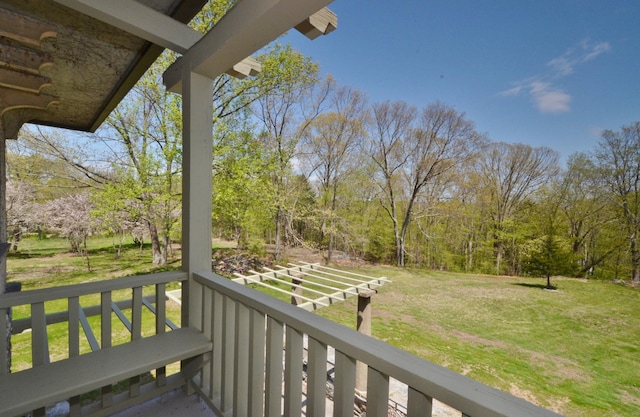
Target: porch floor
x=172, y=404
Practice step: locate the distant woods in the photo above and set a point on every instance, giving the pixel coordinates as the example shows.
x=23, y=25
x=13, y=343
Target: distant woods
x=302, y=161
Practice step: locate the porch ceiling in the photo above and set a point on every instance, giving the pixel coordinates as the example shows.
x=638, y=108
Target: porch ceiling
x=62, y=68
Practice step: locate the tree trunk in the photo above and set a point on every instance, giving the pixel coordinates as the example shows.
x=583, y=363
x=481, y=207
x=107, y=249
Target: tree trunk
x=279, y=223
x=156, y=250
x=635, y=260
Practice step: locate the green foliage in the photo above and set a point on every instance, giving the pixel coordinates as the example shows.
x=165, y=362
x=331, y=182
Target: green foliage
x=549, y=256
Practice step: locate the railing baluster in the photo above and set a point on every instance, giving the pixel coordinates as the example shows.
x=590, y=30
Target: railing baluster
x=241, y=362
x=228, y=354
x=344, y=385
x=207, y=317
x=105, y=340
x=419, y=404
x=39, y=343
x=273, y=383
x=39, y=339
x=293, y=373
x=217, y=325
x=73, y=306
x=4, y=345
x=377, y=393
x=257, y=345
x=161, y=325
x=316, y=379
x=136, y=333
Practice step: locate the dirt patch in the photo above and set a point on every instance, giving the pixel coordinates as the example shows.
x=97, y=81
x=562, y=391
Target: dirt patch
x=477, y=339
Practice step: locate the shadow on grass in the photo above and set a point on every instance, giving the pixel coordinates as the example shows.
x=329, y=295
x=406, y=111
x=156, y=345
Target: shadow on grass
x=23, y=255
x=540, y=286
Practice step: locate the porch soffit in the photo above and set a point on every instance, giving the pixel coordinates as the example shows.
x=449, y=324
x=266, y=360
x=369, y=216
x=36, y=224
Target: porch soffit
x=68, y=63
x=62, y=68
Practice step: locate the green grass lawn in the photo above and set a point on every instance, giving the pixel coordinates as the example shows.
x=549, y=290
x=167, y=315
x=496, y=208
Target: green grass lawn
x=575, y=350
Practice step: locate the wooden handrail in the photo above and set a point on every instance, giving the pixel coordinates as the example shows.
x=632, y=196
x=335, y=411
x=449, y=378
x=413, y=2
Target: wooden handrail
x=425, y=380
x=46, y=294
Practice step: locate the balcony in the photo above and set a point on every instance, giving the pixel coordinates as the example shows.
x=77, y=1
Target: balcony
x=105, y=347
x=245, y=354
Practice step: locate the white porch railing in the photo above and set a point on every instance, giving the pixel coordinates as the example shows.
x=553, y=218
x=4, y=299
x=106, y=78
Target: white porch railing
x=123, y=305
x=259, y=357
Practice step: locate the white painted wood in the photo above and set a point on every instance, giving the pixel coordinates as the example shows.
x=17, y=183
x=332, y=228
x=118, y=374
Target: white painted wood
x=418, y=404
x=228, y=355
x=106, y=393
x=197, y=155
x=344, y=385
x=88, y=331
x=140, y=20
x=293, y=373
x=207, y=328
x=25, y=390
x=273, y=382
x=257, y=349
x=123, y=319
x=316, y=378
x=377, y=393
x=66, y=291
x=39, y=338
x=246, y=28
x=216, y=331
x=73, y=306
x=241, y=362
x=4, y=345
x=322, y=22
x=160, y=312
x=468, y=396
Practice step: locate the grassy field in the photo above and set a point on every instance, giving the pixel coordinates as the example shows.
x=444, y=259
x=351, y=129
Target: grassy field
x=575, y=350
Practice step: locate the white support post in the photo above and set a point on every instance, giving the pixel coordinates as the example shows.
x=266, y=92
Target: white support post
x=5, y=330
x=197, y=143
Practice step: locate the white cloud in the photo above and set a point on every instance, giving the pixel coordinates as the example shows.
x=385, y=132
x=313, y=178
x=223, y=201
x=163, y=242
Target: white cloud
x=543, y=90
x=549, y=99
x=586, y=51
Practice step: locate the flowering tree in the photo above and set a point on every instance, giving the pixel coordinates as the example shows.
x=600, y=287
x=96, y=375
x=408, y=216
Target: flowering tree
x=70, y=217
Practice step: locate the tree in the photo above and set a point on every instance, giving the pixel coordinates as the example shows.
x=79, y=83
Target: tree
x=289, y=78
x=584, y=204
x=21, y=210
x=618, y=157
x=548, y=258
x=412, y=156
x=145, y=151
x=510, y=174
x=391, y=124
x=70, y=217
x=330, y=142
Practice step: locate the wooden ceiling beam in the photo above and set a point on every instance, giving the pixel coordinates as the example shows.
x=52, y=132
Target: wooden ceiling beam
x=247, y=27
x=140, y=20
x=21, y=59
x=320, y=23
x=23, y=81
x=11, y=99
x=23, y=29
x=153, y=26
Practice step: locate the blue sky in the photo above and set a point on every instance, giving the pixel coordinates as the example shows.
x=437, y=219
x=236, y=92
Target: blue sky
x=549, y=73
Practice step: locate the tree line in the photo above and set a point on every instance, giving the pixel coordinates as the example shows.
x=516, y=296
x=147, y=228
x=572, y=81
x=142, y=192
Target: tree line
x=302, y=161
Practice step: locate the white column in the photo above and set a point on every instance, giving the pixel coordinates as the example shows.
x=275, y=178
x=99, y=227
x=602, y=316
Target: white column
x=197, y=145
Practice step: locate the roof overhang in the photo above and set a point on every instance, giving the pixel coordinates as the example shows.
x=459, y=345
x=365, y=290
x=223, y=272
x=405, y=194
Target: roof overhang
x=60, y=67
x=68, y=63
